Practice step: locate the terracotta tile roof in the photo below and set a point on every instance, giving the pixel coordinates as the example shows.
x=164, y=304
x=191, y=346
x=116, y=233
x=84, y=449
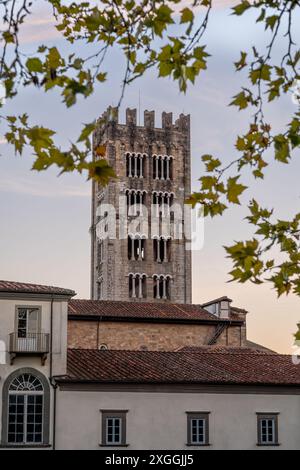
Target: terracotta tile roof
x=215, y=348
x=260, y=347
x=21, y=287
x=139, y=310
x=214, y=301
x=199, y=367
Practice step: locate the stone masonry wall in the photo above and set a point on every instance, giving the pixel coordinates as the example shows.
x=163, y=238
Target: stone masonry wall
x=117, y=139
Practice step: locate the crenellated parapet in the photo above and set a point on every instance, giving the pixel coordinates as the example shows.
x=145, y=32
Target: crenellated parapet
x=182, y=124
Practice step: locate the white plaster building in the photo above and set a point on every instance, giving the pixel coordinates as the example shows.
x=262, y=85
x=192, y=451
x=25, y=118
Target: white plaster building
x=212, y=397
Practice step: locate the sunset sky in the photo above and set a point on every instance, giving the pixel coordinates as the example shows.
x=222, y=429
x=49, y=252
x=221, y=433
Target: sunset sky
x=45, y=219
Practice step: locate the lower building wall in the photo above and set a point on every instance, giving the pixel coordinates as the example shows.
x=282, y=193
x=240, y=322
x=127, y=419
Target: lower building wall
x=158, y=420
x=150, y=336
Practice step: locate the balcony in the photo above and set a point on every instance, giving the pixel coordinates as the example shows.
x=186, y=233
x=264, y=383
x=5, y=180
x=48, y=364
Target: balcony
x=33, y=344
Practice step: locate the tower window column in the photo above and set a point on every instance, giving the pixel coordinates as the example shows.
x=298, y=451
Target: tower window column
x=134, y=165
x=162, y=167
x=161, y=286
x=165, y=242
x=140, y=287
x=168, y=169
x=130, y=166
x=141, y=166
x=164, y=288
x=136, y=248
x=157, y=288
x=161, y=249
x=140, y=255
x=156, y=168
x=137, y=286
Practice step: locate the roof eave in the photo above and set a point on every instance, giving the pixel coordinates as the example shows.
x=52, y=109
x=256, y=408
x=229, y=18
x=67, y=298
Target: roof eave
x=202, y=321
x=36, y=295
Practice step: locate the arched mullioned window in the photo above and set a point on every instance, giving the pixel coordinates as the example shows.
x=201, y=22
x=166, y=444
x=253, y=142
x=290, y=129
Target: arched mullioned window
x=135, y=164
x=135, y=200
x=137, y=285
x=136, y=247
x=162, y=286
x=25, y=412
x=162, y=167
x=162, y=201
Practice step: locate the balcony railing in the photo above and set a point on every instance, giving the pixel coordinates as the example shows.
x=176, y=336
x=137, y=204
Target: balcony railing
x=37, y=343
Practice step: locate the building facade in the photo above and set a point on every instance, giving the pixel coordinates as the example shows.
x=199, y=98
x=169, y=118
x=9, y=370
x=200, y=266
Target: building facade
x=216, y=396
x=146, y=256
x=33, y=349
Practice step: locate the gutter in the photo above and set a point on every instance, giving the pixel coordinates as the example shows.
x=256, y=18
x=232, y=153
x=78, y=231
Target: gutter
x=54, y=385
x=95, y=318
x=51, y=337
x=51, y=379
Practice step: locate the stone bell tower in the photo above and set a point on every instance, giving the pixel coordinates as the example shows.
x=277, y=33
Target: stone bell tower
x=146, y=263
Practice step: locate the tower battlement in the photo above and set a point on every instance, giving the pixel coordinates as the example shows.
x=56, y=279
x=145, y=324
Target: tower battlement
x=181, y=124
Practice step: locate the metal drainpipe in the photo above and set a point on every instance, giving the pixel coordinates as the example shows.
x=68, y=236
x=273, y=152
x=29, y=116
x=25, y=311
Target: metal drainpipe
x=98, y=326
x=52, y=382
x=92, y=229
x=54, y=385
x=51, y=339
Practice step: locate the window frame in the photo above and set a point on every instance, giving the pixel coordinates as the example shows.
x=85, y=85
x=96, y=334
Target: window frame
x=28, y=308
x=198, y=415
x=261, y=416
x=113, y=414
x=27, y=402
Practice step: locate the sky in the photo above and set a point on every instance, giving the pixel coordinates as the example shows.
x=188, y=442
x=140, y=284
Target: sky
x=45, y=218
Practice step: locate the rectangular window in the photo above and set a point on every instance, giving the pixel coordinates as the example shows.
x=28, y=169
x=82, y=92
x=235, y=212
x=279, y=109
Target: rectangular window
x=27, y=321
x=267, y=429
x=197, y=428
x=113, y=427
x=25, y=418
x=113, y=430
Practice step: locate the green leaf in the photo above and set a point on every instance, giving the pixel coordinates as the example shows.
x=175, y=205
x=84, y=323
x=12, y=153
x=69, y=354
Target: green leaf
x=165, y=69
x=101, y=77
x=241, y=8
x=240, y=144
x=86, y=131
x=100, y=171
x=8, y=37
x=53, y=58
x=234, y=190
x=34, y=64
x=239, y=65
x=208, y=182
x=282, y=151
x=240, y=100
x=261, y=73
x=186, y=15
x=271, y=21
